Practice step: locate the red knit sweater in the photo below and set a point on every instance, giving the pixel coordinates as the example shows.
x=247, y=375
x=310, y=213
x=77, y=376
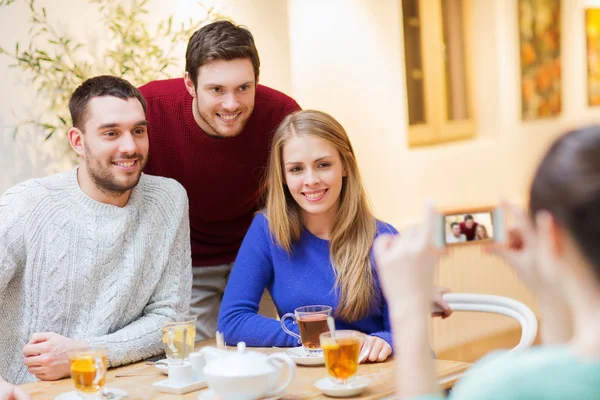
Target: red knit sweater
x=469, y=233
x=221, y=176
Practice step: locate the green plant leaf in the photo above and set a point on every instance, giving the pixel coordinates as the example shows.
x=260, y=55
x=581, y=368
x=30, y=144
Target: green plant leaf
x=49, y=135
x=56, y=63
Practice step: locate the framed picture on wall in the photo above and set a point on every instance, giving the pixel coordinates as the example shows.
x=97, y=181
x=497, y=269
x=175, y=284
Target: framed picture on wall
x=592, y=31
x=539, y=49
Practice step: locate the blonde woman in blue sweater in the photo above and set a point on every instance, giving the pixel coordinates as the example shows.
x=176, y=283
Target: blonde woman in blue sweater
x=555, y=251
x=312, y=243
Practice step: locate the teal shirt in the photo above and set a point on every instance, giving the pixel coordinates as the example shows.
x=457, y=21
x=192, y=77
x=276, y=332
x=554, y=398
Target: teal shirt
x=541, y=373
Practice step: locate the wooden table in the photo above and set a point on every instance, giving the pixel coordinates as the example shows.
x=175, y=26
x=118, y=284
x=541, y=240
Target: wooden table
x=139, y=384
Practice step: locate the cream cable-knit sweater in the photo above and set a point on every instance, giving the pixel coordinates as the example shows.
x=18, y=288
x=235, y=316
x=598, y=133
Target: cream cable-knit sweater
x=87, y=270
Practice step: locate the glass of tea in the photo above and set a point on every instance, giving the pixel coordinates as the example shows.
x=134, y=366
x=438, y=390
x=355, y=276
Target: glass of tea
x=88, y=370
x=179, y=337
x=341, y=354
x=312, y=321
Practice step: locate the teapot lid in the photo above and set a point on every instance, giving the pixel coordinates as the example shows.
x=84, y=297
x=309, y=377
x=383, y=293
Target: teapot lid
x=240, y=363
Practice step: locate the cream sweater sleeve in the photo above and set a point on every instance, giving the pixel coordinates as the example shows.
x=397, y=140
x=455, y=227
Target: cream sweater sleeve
x=13, y=216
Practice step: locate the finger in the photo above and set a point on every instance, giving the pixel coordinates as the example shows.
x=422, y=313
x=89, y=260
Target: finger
x=503, y=251
x=382, y=243
x=35, y=349
x=444, y=305
x=20, y=394
x=516, y=211
x=385, y=352
x=375, y=350
x=365, y=351
x=36, y=370
x=447, y=313
x=410, y=233
x=39, y=337
x=516, y=239
x=43, y=377
x=429, y=216
x=34, y=361
x=442, y=290
x=521, y=221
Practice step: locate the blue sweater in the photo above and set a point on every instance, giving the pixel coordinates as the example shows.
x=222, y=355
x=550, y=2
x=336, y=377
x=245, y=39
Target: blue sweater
x=303, y=278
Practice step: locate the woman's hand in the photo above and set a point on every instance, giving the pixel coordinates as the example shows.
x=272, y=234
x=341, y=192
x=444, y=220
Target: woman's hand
x=12, y=392
x=439, y=302
x=520, y=252
x=406, y=266
x=375, y=349
x=519, y=249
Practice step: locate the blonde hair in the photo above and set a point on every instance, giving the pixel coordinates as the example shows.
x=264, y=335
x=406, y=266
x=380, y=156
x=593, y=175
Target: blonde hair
x=477, y=236
x=354, y=225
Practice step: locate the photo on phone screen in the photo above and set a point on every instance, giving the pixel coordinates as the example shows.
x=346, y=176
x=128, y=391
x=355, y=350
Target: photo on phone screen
x=468, y=227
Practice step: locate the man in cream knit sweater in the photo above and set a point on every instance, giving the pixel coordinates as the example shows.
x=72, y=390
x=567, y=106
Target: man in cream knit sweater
x=99, y=254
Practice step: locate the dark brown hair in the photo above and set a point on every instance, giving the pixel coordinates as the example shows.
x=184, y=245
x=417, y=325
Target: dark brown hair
x=221, y=40
x=103, y=85
x=567, y=185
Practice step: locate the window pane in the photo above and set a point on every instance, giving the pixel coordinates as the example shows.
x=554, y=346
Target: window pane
x=457, y=100
x=414, y=62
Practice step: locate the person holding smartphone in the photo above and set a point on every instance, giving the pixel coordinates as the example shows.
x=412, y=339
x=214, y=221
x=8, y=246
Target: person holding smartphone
x=554, y=250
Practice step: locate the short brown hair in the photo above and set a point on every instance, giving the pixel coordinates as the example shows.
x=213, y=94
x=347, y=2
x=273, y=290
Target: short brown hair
x=221, y=40
x=99, y=86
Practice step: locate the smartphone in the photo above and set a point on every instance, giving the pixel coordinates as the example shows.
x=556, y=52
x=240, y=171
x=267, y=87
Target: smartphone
x=470, y=226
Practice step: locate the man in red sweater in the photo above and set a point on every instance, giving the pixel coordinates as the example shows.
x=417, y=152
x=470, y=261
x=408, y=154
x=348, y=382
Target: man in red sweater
x=468, y=227
x=212, y=132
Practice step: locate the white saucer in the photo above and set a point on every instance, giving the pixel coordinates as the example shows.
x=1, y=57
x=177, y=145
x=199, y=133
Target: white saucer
x=209, y=394
x=301, y=357
x=330, y=388
x=163, y=366
x=109, y=393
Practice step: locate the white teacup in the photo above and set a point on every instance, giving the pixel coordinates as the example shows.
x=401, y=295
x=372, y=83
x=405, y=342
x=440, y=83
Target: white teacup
x=181, y=374
x=198, y=362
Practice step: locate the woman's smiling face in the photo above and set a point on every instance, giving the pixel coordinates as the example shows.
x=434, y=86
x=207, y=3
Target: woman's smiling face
x=313, y=172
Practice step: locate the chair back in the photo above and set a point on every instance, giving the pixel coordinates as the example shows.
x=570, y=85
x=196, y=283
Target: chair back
x=499, y=305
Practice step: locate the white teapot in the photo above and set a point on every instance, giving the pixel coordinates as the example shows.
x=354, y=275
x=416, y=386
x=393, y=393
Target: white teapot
x=245, y=374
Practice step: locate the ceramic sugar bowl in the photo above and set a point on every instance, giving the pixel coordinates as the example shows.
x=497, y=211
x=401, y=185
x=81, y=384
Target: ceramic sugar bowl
x=246, y=374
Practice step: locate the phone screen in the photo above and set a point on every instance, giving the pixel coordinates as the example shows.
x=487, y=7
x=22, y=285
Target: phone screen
x=468, y=227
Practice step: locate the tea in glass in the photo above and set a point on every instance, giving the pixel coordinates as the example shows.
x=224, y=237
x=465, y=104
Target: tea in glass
x=178, y=337
x=342, y=354
x=88, y=370
x=312, y=321
x=310, y=327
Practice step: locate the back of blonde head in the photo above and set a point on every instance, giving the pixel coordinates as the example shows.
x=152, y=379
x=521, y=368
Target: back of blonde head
x=354, y=225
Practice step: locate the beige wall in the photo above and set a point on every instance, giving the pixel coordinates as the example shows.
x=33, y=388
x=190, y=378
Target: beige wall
x=347, y=59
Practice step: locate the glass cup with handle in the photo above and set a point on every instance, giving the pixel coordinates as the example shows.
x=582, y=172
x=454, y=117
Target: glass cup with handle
x=312, y=321
x=178, y=337
x=88, y=366
x=342, y=353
